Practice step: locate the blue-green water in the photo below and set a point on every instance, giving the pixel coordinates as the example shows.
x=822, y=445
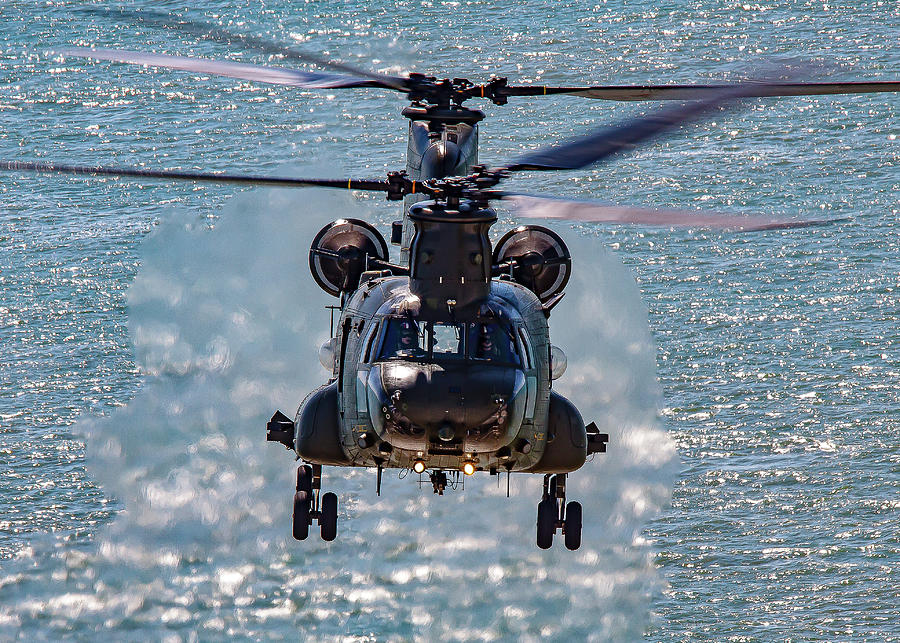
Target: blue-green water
x=147, y=332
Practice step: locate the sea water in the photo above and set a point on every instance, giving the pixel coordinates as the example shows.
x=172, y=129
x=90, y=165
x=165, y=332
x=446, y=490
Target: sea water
x=749, y=382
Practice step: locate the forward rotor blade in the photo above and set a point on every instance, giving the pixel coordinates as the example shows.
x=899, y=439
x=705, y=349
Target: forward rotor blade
x=242, y=71
x=210, y=31
x=236, y=179
x=695, y=92
x=534, y=207
x=605, y=142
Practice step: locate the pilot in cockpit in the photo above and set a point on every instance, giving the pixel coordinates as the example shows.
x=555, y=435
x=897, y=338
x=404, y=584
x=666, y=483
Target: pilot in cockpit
x=494, y=344
x=405, y=340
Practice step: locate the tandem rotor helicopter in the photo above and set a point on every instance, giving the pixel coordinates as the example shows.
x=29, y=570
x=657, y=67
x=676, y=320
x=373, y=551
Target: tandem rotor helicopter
x=441, y=363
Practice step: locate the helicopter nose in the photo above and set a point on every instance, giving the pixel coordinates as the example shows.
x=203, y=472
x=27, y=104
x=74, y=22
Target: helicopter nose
x=476, y=408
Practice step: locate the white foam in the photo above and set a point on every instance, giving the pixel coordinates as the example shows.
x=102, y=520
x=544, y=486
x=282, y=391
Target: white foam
x=226, y=324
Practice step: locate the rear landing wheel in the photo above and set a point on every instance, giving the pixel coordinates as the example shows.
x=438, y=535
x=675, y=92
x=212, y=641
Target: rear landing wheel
x=301, y=515
x=572, y=526
x=328, y=517
x=546, y=522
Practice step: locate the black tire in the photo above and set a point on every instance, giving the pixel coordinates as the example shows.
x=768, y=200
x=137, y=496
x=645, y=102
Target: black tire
x=304, y=480
x=301, y=515
x=573, y=525
x=546, y=523
x=328, y=517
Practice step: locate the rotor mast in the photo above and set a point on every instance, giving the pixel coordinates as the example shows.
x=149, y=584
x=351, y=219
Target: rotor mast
x=443, y=141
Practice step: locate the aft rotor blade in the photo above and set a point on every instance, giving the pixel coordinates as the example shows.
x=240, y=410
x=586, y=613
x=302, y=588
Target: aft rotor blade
x=605, y=142
x=210, y=31
x=534, y=207
x=699, y=92
x=208, y=177
x=242, y=71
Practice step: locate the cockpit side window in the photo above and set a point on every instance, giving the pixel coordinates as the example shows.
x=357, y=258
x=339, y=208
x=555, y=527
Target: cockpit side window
x=345, y=335
x=402, y=340
x=526, y=348
x=370, y=341
x=493, y=342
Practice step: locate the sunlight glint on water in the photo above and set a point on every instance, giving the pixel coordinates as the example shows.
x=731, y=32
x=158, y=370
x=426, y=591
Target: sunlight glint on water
x=777, y=353
x=226, y=336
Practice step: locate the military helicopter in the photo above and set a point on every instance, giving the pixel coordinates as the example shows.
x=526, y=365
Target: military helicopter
x=442, y=363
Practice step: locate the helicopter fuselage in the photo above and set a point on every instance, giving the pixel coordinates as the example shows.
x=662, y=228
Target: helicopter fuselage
x=440, y=402
x=446, y=366
x=441, y=362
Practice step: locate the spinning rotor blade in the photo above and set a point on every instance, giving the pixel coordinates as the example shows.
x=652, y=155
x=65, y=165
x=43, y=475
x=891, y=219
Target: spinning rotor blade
x=242, y=71
x=422, y=87
x=210, y=31
x=605, y=142
x=534, y=207
x=701, y=92
x=238, y=179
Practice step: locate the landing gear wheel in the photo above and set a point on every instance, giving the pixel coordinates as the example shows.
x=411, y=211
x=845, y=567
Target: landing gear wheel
x=328, y=517
x=546, y=522
x=305, y=480
x=301, y=515
x=572, y=526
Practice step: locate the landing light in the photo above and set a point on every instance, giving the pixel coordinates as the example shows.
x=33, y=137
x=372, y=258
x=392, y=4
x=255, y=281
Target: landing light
x=468, y=468
x=418, y=466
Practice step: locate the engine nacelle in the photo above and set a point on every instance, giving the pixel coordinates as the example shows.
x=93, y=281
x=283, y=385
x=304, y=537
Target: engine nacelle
x=535, y=257
x=342, y=251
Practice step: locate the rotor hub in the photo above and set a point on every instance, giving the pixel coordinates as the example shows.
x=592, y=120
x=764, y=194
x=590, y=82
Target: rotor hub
x=433, y=92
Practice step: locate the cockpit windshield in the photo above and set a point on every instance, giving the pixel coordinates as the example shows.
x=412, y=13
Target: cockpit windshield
x=447, y=341
x=491, y=342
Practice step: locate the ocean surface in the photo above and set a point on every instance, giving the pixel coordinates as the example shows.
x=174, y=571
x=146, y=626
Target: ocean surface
x=750, y=382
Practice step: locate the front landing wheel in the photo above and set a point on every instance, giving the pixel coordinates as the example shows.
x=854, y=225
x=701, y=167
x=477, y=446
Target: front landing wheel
x=305, y=480
x=572, y=526
x=301, y=515
x=546, y=522
x=328, y=517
